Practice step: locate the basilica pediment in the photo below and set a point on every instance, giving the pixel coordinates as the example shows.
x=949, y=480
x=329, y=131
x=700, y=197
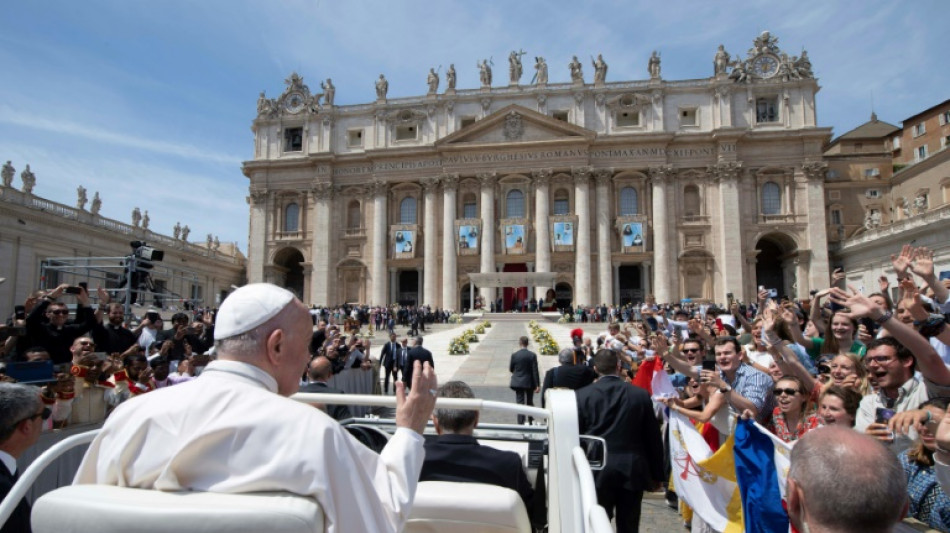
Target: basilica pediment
x=516, y=124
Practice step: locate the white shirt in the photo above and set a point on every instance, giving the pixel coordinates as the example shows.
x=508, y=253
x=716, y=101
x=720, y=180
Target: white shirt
x=228, y=431
x=8, y=461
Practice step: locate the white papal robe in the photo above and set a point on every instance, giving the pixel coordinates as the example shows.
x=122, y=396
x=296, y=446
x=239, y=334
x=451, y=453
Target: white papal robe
x=228, y=431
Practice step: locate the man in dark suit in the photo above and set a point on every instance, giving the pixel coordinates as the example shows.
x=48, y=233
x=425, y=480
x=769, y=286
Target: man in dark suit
x=623, y=416
x=525, y=379
x=417, y=353
x=392, y=358
x=319, y=372
x=456, y=455
x=21, y=421
x=568, y=375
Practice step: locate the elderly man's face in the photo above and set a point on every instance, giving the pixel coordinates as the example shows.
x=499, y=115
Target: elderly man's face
x=297, y=331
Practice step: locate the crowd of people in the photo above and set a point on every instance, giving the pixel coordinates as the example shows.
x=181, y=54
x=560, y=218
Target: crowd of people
x=840, y=358
x=873, y=365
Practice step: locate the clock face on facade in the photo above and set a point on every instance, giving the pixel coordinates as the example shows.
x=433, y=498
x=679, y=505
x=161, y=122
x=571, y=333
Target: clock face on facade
x=765, y=66
x=294, y=102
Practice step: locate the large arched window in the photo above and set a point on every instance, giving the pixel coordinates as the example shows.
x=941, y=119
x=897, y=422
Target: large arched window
x=407, y=210
x=691, y=205
x=354, y=218
x=291, y=217
x=771, y=198
x=628, y=201
x=469, y=206
x=562, y=202
x=514, y=204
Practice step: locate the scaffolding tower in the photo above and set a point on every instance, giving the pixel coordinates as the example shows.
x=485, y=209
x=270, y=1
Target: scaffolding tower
x=129, y=280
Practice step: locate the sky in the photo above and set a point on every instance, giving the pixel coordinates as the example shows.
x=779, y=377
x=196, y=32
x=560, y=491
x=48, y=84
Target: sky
x=151, y=103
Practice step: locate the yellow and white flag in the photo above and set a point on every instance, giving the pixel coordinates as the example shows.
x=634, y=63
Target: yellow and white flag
x=706, y=481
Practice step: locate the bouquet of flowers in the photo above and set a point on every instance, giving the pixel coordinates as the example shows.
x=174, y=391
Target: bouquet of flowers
x=480, y=329
x=455, y=318
x=458, y=346
x=487, y=324
x=470, y=335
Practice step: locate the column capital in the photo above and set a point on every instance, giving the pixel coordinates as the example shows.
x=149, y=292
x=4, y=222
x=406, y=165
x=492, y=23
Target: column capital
x=487, y=179
x=449, y=181
x=322, y=190
x=815, y=170
x=725, y=171
x=429, y=184
x=603, y=175
x=662, y=173
x=581, y=175
x=379, y=187
x=542, y=176
x=258, y=196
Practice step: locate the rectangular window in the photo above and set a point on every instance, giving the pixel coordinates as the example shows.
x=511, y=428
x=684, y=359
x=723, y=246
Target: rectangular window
x=627, y=119
x=945, y=118
x=832, y=174
x=920, y=129
x=407, y=132
x=466, y=122
x=688, y=117
x=872, y=193
x=836, y=217
x=945, y=141
x=896, y=144
x=293, y=139
x=871, y=173
x=766, y=109
x=469, y=210
x=354, y=138
x=562, y=206
x=560, y=115
x=921, y=152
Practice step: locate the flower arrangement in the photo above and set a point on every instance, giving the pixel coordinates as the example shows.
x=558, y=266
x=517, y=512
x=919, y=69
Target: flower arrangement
x=487, y=324
x=455, y=318
x=546, y=343
x=470, y=336
x=458, y=346
x=480, y=329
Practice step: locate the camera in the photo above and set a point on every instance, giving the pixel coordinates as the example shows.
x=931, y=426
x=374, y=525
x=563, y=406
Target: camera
x=773, y=293
x=73, y=290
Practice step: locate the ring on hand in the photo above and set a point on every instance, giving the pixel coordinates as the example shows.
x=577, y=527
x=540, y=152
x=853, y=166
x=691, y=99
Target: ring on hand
x=433, y=392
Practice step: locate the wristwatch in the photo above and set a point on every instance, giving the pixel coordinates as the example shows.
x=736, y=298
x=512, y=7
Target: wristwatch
x=883, y=318
x=726, y=388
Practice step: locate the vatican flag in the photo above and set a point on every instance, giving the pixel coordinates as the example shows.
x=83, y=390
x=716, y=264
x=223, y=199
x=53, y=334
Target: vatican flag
x=706, y=481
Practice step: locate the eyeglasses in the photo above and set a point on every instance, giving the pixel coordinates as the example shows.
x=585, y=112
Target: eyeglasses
x=59, y=312
x=879, y=359
x=45, y=414
x=87, y=343
x=691, y=350
x=790, y=392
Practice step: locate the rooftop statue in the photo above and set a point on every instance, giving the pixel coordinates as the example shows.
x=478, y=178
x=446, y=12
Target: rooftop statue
x=382, y=87
x=600, y=69
x=450, y=77
x=577, y=72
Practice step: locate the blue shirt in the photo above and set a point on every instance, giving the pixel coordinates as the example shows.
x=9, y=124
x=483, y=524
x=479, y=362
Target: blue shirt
x=754, y=386
x=928, y=502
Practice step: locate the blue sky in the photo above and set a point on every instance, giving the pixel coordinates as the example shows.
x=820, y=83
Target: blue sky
x=151, y=103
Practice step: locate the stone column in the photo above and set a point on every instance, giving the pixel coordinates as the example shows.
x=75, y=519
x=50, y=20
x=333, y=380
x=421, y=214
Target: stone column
x=393, y=282
x=320, y=280
x=730, y=232
x=542, y=227
x=582, y=295
x=615, y=271
x=819, y=271
x=421, y=277
x=663, y=272
x=605, y=283
x=487, y=265
x=430, y=258
x=380, y=257
x=449, y=254
x=647, y=279
x=257, y=245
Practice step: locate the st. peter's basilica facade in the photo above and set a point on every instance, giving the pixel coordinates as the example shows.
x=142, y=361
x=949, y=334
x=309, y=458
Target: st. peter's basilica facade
x=695, y=188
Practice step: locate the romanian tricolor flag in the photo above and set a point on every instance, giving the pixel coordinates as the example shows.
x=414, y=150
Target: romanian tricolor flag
x=762, y=463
